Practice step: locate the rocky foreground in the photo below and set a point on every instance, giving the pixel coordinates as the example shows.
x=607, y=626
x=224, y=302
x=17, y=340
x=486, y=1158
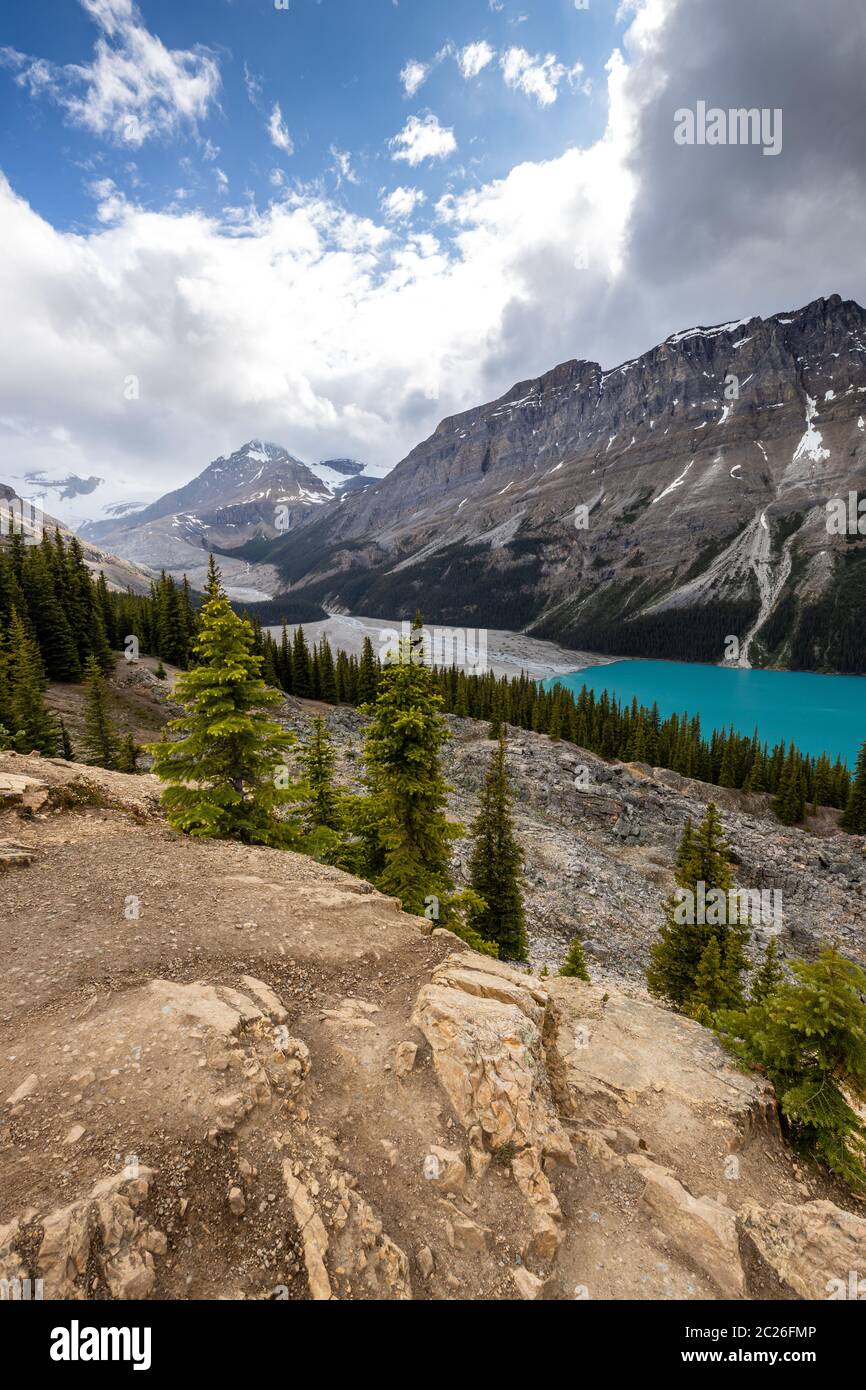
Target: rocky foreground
x=234, y=1073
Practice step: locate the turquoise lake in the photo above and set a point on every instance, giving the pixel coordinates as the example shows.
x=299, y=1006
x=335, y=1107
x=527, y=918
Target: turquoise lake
x=822, y=714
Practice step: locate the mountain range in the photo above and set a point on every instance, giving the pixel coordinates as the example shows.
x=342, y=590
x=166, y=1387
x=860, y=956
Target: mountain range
x=261, y=490
x=658, y=508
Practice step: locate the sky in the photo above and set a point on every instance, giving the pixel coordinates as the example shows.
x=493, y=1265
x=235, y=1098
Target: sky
x=332, y=223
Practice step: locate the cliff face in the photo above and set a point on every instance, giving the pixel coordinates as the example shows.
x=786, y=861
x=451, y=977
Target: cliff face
x=265, y=1081
x=663, y=504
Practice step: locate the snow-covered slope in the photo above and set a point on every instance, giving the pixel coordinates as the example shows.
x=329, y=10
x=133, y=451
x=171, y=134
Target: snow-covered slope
x=260, y=490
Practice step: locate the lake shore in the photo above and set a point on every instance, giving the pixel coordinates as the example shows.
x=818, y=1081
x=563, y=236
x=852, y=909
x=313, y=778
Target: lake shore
x=508, y=653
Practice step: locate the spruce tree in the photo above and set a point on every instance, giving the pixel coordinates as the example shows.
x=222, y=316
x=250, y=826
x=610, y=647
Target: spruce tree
x=31, y=727
x=368, y=675
x=48, y=618
x=127, y=755
x=574, y=964
x=676, y=958
x=99, y=742
x=709, y=984
x=494, y=871
x=769, y=976
x=224, y=774
x=302, y=677
x=790, y=802
x=5, y=713
x=810, y=1037
x=327, y=673
x=728, y=769
x=854, y=817
x=402, y=822
x=322, y=802
x=495, y=729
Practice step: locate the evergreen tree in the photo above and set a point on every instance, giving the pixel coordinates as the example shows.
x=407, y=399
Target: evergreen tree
x=368, y=675
x=709, y=984
x=728, y=769
x=790, y=802
x=127, y=755
x=31, y=726
x=810, y=1037
x=702, y=868
x=854, y=818
x=66, y=749
x=403, y=826
x=322, y=805
x=100, y=742
x=301, y=666
x=327, y=673
x=223, y=774
x=769, y=976
x=48, y=619
x=494, y=872
x=574, y=964
x=495, y=730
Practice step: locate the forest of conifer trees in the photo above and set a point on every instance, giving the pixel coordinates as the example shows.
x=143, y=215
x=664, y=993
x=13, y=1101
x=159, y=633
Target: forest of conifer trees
x=55, y=617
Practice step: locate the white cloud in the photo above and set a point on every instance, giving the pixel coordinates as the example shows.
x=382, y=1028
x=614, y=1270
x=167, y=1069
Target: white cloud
x=110, y=202
x=342, y=166
x=278, y=131
x=475, y=57
x=303, y=323
x=317, y=328
x=254, y=85
x=134, y=89
x=423, y=138
x=401, y=203
x=536, y=77
x=413, y=76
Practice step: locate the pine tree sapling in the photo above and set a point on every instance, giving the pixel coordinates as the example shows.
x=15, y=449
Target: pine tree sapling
x=574, y=966
x=127, y=755
x=769, y=976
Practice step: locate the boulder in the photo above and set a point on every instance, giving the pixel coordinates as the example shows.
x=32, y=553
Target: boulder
x=816, y=1250
x=702, y=1230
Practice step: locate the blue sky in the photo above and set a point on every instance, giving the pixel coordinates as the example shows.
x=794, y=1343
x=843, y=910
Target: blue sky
x=333, y=67
x=334, y=225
